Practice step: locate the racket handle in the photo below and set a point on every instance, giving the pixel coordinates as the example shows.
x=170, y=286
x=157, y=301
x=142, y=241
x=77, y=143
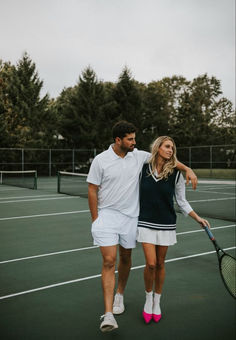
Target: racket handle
x=209, y=233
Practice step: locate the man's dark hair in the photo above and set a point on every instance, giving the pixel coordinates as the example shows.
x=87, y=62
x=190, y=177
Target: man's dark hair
x=122, y=128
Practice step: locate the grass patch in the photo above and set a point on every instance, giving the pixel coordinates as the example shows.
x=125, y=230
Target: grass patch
x=216, y=173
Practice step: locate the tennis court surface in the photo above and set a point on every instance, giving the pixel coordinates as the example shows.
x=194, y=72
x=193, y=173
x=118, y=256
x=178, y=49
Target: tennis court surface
x=50, y=271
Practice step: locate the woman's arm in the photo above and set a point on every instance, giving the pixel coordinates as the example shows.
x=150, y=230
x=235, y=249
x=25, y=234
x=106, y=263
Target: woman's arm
x=183, y=204
x=190, y=175
x=199, y=219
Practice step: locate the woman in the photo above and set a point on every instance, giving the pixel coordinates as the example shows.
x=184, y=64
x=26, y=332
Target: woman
x=160, y=182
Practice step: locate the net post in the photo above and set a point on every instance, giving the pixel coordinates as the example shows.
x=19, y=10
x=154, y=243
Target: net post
x=58, y=182
x=35, y=180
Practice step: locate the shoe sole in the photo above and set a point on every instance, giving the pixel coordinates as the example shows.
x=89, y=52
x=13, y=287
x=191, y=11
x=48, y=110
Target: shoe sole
x=108, y=328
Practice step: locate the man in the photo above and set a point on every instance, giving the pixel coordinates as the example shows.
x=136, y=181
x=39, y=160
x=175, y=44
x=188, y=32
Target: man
x=113, y=194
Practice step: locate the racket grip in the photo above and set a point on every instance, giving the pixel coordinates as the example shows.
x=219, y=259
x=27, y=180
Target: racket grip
x=209, y=233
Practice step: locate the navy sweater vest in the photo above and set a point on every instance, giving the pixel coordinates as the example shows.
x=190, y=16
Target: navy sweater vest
x=156, y=201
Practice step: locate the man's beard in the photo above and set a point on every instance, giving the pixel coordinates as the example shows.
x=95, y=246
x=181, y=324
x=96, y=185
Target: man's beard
x=126, y=149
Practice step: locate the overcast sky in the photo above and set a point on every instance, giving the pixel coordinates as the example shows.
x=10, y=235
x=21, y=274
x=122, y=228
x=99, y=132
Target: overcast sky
x=154, y=38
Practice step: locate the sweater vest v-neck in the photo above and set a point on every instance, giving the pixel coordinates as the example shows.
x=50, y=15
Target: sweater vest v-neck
x=156, y=201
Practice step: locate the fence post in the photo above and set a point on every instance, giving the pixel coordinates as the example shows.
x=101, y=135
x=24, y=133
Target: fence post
x=94, y=152
x=211, y=160
x=73, y=160
x=189, y=157
x=50, y=162
x=22, y=160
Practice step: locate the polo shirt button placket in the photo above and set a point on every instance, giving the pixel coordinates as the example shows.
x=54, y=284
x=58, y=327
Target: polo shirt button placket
x=123, y=163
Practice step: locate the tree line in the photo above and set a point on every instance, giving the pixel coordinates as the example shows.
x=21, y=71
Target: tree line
x=192, y=112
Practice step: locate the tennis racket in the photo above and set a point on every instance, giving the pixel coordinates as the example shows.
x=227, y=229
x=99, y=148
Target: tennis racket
x=227, y=265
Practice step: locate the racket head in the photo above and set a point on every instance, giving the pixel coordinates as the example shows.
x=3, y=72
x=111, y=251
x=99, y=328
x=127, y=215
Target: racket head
x=227, y=265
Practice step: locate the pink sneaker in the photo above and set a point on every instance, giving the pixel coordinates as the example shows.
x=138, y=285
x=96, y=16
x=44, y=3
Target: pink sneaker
x=147, y=317
x=156, y=317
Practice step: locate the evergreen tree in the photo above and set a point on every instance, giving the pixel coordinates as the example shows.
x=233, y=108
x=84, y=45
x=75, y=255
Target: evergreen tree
x=156, y=113
x=7, y=82
x=129, y=101
x=27, y=120
x=80, y=108
x=192, y=112
x=107, y=117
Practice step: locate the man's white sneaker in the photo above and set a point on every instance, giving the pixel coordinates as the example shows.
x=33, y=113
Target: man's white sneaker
x=109, y=323
x=118, y=305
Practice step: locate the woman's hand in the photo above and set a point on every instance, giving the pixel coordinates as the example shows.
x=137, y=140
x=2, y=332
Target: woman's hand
x=190, y=176
x=203, y=222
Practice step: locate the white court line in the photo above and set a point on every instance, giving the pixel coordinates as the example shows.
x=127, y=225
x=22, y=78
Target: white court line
x=14, y=197
x=45, y=197
x=79, y=211
x=197, y=231
x=43, y=215
x=48, y=254
x=41, y=199
x=99, y=275
x=211, y=187
x=213, y=199
x=186, y=257
x=213, y=192
x=11, y=189
x=216, y=181
x=93, y=247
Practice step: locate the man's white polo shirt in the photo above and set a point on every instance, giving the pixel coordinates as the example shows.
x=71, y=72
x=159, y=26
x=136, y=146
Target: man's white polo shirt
x=118, y=180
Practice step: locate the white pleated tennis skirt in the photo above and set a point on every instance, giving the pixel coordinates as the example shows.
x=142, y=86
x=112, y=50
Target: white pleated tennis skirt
x=157, y=237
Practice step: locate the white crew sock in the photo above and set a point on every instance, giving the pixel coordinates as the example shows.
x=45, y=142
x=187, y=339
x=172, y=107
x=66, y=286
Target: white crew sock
x=148, y=303
x=156, y=304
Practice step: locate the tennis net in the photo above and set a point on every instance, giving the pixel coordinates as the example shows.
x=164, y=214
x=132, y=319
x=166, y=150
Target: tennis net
x=23, y=179
x=71, y=183
x=211, y=199
x=214, y=199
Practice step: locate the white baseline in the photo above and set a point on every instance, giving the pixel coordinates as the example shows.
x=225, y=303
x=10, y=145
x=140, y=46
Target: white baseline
x=99, y=275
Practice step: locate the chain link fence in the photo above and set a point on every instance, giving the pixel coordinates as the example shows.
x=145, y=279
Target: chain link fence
x=208, y=157
x=48, y=162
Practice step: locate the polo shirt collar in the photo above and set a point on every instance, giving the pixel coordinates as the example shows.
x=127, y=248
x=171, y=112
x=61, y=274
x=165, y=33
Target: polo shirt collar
x=115, y=156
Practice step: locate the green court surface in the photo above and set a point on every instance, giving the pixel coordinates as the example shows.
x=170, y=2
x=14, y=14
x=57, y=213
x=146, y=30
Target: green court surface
x=50, y=284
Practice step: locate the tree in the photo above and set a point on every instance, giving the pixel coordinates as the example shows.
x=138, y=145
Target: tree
x=7, y=82
x=107, y=116
x=129, y=100
x=157, y=111
x=194, y=111
x=26, y=117
x=224, y=122
x=80, y=108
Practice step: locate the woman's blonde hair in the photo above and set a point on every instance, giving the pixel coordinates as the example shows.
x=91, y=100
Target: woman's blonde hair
x=169, y=164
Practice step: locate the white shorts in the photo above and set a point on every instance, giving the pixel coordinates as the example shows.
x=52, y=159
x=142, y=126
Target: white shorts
x=112, y=228
x=158, y=237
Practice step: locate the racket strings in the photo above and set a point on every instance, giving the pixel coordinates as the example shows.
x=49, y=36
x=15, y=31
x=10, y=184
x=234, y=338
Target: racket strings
x=228, y=271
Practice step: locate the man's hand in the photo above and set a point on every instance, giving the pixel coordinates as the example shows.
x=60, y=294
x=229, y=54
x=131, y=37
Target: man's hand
x=190, y=176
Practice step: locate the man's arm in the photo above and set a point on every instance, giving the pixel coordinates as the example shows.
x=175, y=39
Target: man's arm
x=93, y=200
x=190, y=175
